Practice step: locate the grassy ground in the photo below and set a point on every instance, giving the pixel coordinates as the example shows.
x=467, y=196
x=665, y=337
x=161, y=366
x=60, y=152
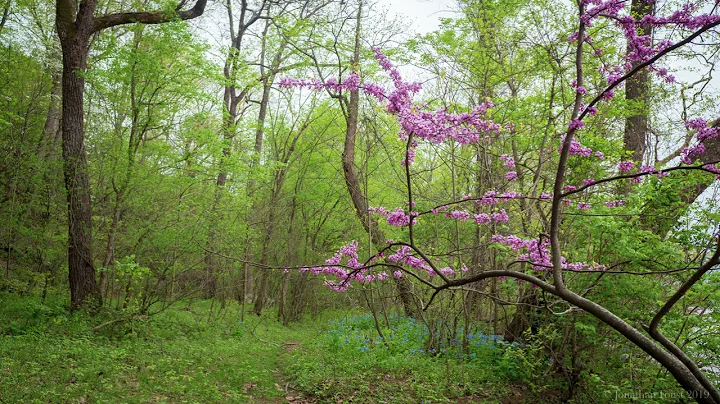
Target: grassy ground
x=350, y=362
x=195, y=354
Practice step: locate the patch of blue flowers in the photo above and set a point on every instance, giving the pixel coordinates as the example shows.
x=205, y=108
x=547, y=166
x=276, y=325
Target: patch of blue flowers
x=405, y=335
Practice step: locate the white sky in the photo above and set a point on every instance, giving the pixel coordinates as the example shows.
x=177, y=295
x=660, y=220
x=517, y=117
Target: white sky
x=424, y=14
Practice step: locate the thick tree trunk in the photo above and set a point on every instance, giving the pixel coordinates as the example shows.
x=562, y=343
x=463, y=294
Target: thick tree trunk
x=83, y=287
x=637, y=91
x=76, y=23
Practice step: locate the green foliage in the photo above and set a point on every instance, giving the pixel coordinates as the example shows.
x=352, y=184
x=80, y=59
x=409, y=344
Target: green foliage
x=189, y=354
x=158, y=138
x=349, y=359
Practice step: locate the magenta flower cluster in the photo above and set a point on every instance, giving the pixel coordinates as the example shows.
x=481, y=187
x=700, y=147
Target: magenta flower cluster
x=537, y=253
x=351, y=270
x=704, y=133
x=577, y=149
x=418, y=123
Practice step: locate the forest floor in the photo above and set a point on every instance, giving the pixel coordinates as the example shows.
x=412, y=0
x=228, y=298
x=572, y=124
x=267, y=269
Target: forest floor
x=197, y=353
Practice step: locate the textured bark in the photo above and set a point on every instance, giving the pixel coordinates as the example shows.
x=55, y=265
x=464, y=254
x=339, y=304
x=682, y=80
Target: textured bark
x=74, y=37
x=148, y=17
x=75, y=24
x=81, y=269
x=637, y=91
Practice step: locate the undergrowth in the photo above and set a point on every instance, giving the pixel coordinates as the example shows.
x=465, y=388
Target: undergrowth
x=198, y=353
x=351, y=362
x=187, y=354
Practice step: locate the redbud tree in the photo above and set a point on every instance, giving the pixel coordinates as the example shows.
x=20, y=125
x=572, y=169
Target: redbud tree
x=541, y=260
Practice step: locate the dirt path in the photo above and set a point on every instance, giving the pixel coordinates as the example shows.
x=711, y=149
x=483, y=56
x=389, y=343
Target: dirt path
x=291, y=395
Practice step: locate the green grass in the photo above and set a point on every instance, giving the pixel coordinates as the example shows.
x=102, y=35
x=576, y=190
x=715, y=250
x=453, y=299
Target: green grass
x=178, y=356
x=349, y=362
x=192, y=354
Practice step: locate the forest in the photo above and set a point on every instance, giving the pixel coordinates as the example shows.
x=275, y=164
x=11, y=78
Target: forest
x=314, y=201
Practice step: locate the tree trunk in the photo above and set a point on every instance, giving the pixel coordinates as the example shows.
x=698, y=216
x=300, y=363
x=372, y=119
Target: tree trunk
x=5, y=14
x=637, y=91
x=525, y=311
x=76, y=23
x=231, y=101
x=47, y=149
x=410, y=307
x=260, y=298
x=74, y=38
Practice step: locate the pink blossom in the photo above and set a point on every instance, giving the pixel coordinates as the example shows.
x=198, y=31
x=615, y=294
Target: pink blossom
x=482, y=218
x=626, y=166
x=509, y=195
x=398, y=218
x=489, y=198
x=712, y=168
x=460, y=215
x=507, y=161
x=608, y=95
x=500, y=216
x=576, y=124
x=577, y=149
x=379, y=210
